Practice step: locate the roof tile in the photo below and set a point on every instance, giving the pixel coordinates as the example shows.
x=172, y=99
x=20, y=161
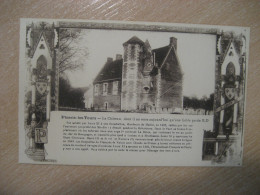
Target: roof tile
x=111, y=70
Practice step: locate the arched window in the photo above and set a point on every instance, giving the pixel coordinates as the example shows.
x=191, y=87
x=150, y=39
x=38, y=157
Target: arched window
x=132, y=54
x=230, y=70
x=230, y=74
x=106, y=105
x=41, y=67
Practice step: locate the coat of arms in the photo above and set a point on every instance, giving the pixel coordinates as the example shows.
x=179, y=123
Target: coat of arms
x=41, y=87
x=230, y=93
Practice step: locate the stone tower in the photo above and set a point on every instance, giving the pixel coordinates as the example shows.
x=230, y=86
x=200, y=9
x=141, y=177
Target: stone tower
x=132, y=61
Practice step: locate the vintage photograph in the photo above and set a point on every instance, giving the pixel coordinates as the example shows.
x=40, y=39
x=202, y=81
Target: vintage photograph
x=131, y=71
x=132, y=68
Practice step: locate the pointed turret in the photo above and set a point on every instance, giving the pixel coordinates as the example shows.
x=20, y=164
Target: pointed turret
x=134, y=40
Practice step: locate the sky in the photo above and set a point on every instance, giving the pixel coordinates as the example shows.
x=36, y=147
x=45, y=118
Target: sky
x=196, y=54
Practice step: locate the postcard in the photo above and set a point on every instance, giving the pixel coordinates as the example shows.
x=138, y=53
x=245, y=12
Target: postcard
x=118, y=93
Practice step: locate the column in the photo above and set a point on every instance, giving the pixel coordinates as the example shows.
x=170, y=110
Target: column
x=158, y=91
x=235, y=113
x=216, y=148
x=222, y=102
x=33, y=88
x=48, y=98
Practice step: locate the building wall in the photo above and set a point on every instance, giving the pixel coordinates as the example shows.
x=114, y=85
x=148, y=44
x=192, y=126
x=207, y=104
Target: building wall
x=169, y=98
x=164, y=95
x=113, y=103
x=146, y=94
x=101, y=98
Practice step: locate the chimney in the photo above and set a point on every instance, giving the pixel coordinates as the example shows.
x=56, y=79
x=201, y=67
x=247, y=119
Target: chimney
x=118, y=56
x=109, y=59
x=173, y=42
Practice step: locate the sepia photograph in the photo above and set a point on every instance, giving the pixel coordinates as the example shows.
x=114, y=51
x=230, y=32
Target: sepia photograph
x=136, y=71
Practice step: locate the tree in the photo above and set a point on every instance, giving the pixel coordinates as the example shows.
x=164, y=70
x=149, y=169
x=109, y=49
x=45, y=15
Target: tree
x=72, y=53
x=210, y=102
x=70, y=97
x=195, y=103
x=71, y=56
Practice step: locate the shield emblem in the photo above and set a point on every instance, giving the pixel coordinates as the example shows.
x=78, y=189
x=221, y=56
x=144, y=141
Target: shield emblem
x=41, y=87
x=230, y=93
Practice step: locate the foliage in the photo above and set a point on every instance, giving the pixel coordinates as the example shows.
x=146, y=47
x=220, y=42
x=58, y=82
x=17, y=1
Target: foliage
x=72, y=53
x=195, y=103
x=39, y=109
x=70, y=97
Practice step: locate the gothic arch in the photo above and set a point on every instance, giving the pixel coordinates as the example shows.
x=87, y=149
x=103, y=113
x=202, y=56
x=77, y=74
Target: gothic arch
x=41, y=60
x=231, y=57
x=230, y=69
x=41, y=66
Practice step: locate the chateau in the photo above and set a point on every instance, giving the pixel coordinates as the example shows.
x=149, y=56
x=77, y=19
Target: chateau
x=142, y=80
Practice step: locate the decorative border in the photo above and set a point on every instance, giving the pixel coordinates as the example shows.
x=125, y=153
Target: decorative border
x=218, y=31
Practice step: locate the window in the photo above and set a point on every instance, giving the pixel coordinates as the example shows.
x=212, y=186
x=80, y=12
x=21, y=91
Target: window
x=125, y=53
x=41, y=68
x=132, y=54
x=105, y=87
x=230, y=70
x=96, y=89
x=106, y=105
x=146, y=89
x=152, y=84
x=115, y=87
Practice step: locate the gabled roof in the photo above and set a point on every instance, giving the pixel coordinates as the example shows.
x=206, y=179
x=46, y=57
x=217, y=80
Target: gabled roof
x=225, y=42
x=42, y=35
x=36, y=34
x=230, y=44
x=134, y=40
x=110, y=71
x=160, y=54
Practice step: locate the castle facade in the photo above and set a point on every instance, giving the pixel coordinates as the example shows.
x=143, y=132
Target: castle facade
x=142, y=80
